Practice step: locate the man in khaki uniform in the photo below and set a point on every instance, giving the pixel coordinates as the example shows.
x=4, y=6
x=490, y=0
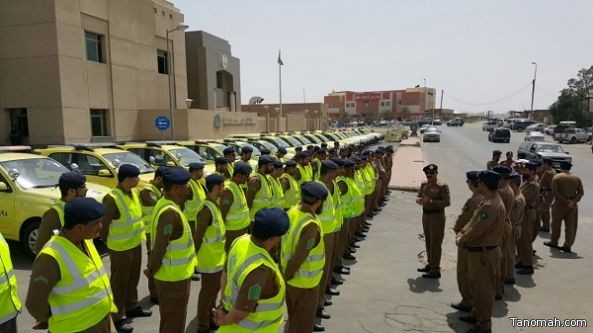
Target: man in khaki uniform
x=517, y=213
x=468, y=210
x=507, y=264
x=433, y=197
x=495, y=160
x=240, y=177
x=530, y=190
x=567, y=190
x=481, y=237
x=546, y=197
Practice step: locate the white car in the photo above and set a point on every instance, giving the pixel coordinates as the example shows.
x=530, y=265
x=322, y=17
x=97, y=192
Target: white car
x=535, y=136
x=423, y=128
x=431, y=134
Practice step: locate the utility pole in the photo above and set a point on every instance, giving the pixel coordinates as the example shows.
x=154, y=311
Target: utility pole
x=441, y=107
x=304, y=96
x=533, y=89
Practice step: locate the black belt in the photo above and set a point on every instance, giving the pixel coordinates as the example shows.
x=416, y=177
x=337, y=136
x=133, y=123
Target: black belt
x=545, y=190
x=433, y=211
x=480, y=248
x=530, y=207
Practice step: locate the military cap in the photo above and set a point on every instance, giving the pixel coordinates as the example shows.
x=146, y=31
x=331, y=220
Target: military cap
x=338, y=161
x=331, y=151
x=265, y=151
x=228, y=151
x=348, y=163
x=329, y=165
x=270, y=222
x=565, y=165
x=389, y=149
x=291, y=163
x=489, y=178
x=72, y=179
x=176, y=175
x=298, y=148
x=246, y=149
x=322, y=151
x=502, y=170
x=515, y=176
x=221, y=160
x=214, y=179
x=310, y=147
x=380, y=150
x=278, y=165
x=536, y=162
x=530, y=165
x=196, y=166
x=364, y=158
x=548, y=161
x=324, y=145
x=127, y=171
x=316, y=149
x=243, y=168
x=81, y=211
x=159, y=171
x=355, y=159
x=496, y=153
x=430, y=167
x=265, y=159
x=282, y=150
x=314, y=189
x=306, y=154
x=366, y=152
x=472, y=175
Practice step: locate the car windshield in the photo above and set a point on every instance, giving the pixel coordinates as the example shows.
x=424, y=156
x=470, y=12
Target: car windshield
x=186, y=156
x=218, y=146
x=304, y=140
x=549, y=148
x=256, y=152
x=432, y=130
x=294, y=142
x=117, y=159
x=279, y=142
x=265, y=144
x=35, y=172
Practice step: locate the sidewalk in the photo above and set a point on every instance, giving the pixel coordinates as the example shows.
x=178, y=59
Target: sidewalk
x=408, y=160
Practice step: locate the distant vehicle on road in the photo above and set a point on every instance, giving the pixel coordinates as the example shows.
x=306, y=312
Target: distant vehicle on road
x=431, y=134
x=535, y=136
x=535, y=127
x=550, y=130
x=500, y=134
x=437, y=122
x=489, y=125
x=521, y=125
x=423, y=128
x=455, y=122
x=562, y=127
x=552, y=150
x=572, y=135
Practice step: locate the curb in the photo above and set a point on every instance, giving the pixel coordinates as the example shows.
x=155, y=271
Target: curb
x=405, y=188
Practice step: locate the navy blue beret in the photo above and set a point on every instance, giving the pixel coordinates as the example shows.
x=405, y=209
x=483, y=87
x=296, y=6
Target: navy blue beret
x=306, y=154
x=472, y=175
x=331, y=151
x=338, y=161
x=356, y=159
x=565, y=165
x=490, y=178
x=366, y=152
x=282, y=150
x=314, y=189
x=159, y=171
x=228, y=151
x=221, y=160
x=291, y=163
x=298, y=148
x=348, y=163
x=81, y=211
x=214, y=179
x=336, y=143
x=265, y=159
x=380, y=150
x=278, y=164
x=536, y=162
x=515, y=176
x=265, y=151
x=246, y=149
x=322, y=151
x=127, y=170
x=329, y=165
x=430, y=167
x=243, y=168
x=310, y=147
x=496, y=152
x=316, y=149
x=364, y=158
x=270, y=222
x=72, y=179
x=176, y=175
x=324, y=145
x=196, y=166
x=502, y=170
x=389, y=149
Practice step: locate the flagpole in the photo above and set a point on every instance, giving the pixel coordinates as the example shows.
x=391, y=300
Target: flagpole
x=280, y=89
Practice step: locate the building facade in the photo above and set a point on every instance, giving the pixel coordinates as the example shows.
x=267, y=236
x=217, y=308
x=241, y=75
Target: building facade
x=295, y=116
x=85, y=70
x=410, y=103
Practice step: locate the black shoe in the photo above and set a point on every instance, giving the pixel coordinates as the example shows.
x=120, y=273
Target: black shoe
x=327, y=302
x=365, y=229
x=195, y=277
x=352, y=250
x=139, y=312
x=468, y=319
x=498, y=298
x=360, y=239
x=526, y=270
x=544, y=229
x=337, y=282
x=432, y=275
x=564, y=249
x=518, y=265
x=355, y=245
x=342, y=270
x=322, y=314
x=550, y=244
x=369, y=218
x=377, y=210
x=318, y=328
x=349, y=256
x=367, y=224
x=213, y=326
x=425, y=269
x=154, y=300
x=360, y=234
x=383, y=204
x=332, y=291
x=478, y=329
x=461, y=307
x=509, y=281
x=122, y=326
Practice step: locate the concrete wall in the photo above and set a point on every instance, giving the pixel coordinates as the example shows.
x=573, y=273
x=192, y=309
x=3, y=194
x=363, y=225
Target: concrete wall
x=294, y=109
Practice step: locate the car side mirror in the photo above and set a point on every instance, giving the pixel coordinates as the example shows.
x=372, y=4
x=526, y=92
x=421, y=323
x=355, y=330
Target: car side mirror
x=170, y=164
x=4, y=187
x=152, y=160
x=104, y=173
x=74, y=167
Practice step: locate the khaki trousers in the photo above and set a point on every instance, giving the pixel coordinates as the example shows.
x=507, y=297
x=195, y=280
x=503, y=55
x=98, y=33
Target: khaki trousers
x=570, y=217
x=341, y=242
x=125, y=275
x=8, y=326
x=151, y=285
x=173, y=299
x=482, y=274
x=526, y=241
x=301, y=305
x=207, y=298
x=544, y=209
x=434, y=232
x=507, y=259
x=329, y=240
x=463, y=282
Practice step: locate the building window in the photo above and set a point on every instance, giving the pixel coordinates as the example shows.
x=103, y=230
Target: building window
x=382, y=103
x=162, y=59
x=388, y=103
x=19, y=125
x=219, y=80
x=99, y=123
x=94, y=46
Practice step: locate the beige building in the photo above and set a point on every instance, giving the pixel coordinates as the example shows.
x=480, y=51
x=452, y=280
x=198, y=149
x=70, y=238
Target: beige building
x=86, y=70
x=295, y=116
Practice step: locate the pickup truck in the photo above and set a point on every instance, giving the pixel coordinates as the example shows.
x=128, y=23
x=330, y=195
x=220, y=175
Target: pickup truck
x=572, y=135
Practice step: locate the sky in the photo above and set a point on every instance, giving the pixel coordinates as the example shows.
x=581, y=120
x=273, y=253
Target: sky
x=478, y=52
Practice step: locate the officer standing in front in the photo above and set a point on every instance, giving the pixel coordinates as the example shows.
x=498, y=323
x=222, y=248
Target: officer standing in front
x=303, y=259
x=530, y=190
x=124, y=232
x=172, y=259
x=517, y=213
x=259, y=189
x=481, y=237
x=546, y=197
x=10, y=303
x=292, y=190
x=233, y=205
x=495, y=160
x=72, y=185
x=434, y=197
x=69, y=290
x=209, y=240
x=253, y=287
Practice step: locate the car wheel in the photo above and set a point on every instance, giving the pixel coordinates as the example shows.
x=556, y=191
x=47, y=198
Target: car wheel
x=507, y=140
x=573, y=140
x=29, y=237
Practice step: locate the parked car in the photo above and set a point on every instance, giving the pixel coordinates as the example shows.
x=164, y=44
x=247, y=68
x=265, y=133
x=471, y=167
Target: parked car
x=535, y=127
x=535, y=136
x=431, y=134
x=423, y=128
x=500, y=134
x=521, y=125
x=572, y=135
x=489, y=125
x=562, y=127
x=552, y=150
x=455, y=122
x=437, y=122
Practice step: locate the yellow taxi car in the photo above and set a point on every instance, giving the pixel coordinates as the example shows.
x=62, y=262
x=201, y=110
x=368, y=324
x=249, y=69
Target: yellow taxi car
x=28, y=187
x=99, y=162
x=166, y=153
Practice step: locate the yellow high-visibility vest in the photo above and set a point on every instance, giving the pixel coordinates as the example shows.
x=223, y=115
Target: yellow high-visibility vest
x=193, y=206
x=127, y=231
x=292, y=196
x=277, y=192
x=147, y=211
x=263, y=197
x=327, y=218
x=211, y=255
x=10, y=304
x=238, y=215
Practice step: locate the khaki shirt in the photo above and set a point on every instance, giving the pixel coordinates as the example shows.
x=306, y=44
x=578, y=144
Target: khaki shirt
x=309, y=232
x=518, y=210
x=438, y=194
x=169, y=227
x=508, y=197
x=467, y=211
x=545, y=182
x=50, y=221
x=567, y=187
x=485, y=228
x=530, y=190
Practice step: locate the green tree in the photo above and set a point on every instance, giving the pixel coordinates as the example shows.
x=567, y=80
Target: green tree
x=344, y=117
x=369, y=116
x=387, y=115
x=572, y=102
x=405, y=113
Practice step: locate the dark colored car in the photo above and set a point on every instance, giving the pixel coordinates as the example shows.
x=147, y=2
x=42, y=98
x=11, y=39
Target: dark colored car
x=500, y=134
x=521, y=125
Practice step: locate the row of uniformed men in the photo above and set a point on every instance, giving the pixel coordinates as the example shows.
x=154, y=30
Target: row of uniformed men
x=68, y=279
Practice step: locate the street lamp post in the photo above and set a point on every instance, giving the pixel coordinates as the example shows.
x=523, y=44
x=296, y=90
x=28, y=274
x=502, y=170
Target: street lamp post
x=316, y=120
x=179, y=27
x=307, y=120
x=277, y=127
x=533, y=89
x=267, y=110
